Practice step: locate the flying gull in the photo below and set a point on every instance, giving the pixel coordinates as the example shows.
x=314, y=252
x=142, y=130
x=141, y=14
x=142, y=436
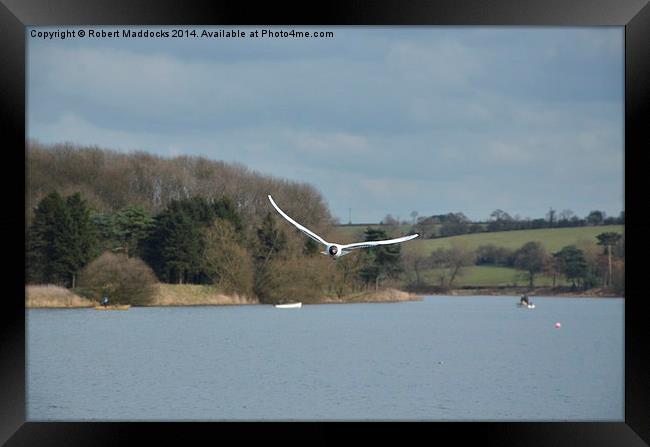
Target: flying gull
x=338, y=250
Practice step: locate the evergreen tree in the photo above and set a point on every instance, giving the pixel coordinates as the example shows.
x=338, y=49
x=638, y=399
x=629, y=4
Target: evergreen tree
x=382, y=261
x=40, y=235
x=609, y=240
x=131, y=225
x=270, y=240
x=83, y=233
x=271, y=244
x=225, y=209
x=175, y=244
x=204, y=213
x=196, y=208
x=174, y=248
x=572, y=263
x=60, y=240
x=104, y=224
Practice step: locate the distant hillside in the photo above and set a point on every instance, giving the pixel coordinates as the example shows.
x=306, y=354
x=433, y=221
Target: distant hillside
x=553, y=239
x=110, y=180
x=495, y=276
x=354, y=233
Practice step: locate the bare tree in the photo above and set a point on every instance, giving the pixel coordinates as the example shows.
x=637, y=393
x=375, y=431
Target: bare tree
x=111, y=180
x=416, y=262
x=550, y=216
x=451, y=262
x=228, y=263
x=389, y=220
x=531, y=257
x=124, y=280
x=566, y=215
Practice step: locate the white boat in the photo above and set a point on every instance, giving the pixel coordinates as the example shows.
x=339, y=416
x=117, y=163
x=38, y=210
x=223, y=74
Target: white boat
x=289, y=306
x=529, y=306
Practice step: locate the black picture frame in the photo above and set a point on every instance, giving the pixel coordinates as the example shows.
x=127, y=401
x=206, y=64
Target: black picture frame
x=15, y=15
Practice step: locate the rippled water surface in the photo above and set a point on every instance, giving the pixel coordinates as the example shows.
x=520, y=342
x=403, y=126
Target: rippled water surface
x=444, y=358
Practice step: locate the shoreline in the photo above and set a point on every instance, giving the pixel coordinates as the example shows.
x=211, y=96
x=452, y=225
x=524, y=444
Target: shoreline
x=538, y=291
x=381, y=296
x=53, y=297
x=187, y=295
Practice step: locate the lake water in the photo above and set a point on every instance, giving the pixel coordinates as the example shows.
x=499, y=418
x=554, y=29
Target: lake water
x=443, y=358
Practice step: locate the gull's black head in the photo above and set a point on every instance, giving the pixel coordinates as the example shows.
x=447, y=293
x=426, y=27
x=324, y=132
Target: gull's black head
x=333, y=250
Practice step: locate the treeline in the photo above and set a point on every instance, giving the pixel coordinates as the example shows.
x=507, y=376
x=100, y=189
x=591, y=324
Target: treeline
x=454, y=224
x=585, y=267
x=110, y=181
x=182, y=220
x=193, y=240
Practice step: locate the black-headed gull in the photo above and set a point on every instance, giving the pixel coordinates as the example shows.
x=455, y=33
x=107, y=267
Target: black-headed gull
x=338, y=250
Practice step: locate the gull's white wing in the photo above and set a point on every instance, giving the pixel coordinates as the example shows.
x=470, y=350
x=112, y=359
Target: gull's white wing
x=368, y=244
x=308, y=232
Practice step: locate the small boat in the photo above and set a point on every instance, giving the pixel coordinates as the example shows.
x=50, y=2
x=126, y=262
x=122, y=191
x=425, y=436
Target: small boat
x=529, y=306
x=114, y=307
x=289, y=306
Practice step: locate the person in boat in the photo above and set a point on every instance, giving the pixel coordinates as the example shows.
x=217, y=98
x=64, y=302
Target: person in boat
x=105, y=301
x=524, y=300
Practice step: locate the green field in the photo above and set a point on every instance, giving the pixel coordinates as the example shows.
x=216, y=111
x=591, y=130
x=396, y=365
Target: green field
x=492, y=276
x=552, y=239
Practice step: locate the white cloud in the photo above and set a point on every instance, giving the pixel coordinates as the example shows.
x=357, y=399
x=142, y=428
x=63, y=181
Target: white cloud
x=73, y=128
x=330, y=144
x=446, y=62
x=507, y=153
x=382, y=120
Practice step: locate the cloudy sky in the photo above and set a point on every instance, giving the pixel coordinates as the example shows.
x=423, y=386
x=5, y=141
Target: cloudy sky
x=379, y=119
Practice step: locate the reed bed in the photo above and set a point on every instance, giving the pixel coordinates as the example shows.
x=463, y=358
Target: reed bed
x=54, y=296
